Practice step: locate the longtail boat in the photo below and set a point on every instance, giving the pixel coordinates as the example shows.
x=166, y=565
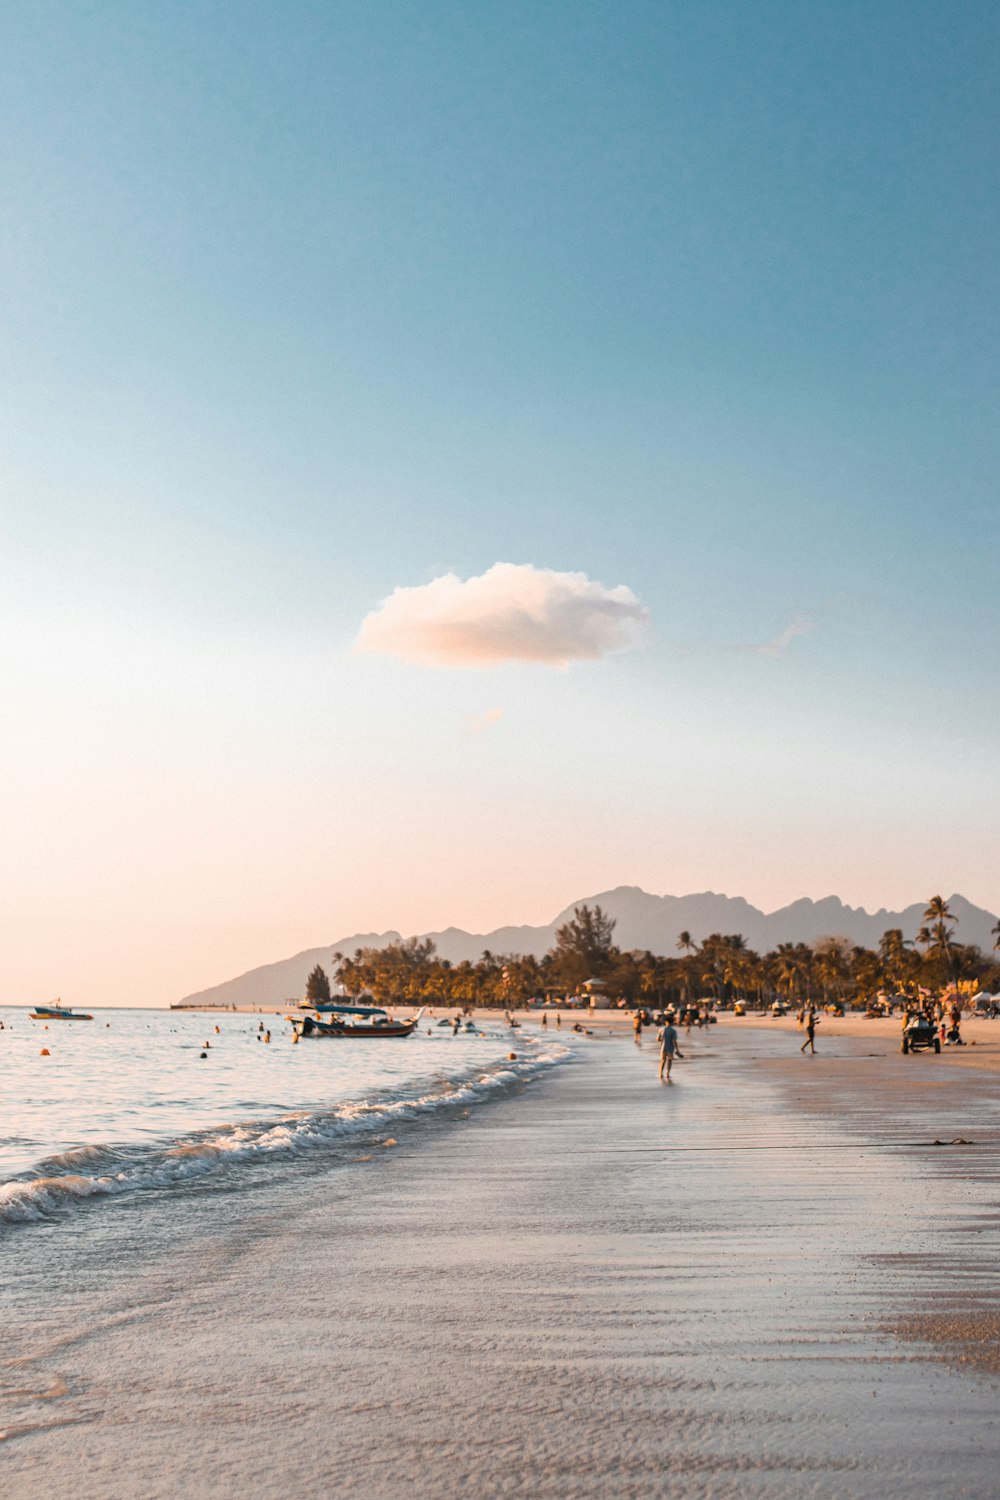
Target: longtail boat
x=348, y=1021
x=58, y=1012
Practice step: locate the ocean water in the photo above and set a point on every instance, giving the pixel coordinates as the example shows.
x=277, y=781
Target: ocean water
x=126, y=1104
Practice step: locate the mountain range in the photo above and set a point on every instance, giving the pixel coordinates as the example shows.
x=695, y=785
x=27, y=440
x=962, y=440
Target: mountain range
x=643, y=921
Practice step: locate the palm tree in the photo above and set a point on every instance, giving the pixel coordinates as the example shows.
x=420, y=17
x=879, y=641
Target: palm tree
x=867, y=973
x=995, y=933
x=942, y=945
x=807, y=959
x=938, y=938
x=938, y=910
x=787, y=967
x=892, y=951
x=737, y=970
x=830, y=969
x=734, y=960
x=891, y=945
x=687, y=947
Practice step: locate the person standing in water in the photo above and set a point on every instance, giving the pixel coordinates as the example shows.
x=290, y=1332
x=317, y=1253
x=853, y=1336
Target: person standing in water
x=810, y=1030
x=667, y=1038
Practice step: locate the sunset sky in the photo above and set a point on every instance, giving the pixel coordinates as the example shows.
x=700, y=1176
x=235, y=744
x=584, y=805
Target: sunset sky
x=456, y=458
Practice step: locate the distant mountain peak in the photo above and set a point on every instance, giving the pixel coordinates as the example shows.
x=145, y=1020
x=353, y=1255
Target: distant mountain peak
x=643, y=920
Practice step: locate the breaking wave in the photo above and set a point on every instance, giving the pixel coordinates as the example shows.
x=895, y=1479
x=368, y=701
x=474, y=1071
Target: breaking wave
x=87, y=1172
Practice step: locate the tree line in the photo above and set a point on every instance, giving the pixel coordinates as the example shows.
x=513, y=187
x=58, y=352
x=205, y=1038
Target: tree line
x=721, y=967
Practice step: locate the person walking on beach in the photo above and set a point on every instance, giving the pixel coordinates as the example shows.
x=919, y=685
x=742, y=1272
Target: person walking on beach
x=810, y=1031
x=637, y=1027
x=667, y=1038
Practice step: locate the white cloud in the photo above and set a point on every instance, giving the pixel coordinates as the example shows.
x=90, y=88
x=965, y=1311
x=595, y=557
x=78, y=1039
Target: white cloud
x=512, y=612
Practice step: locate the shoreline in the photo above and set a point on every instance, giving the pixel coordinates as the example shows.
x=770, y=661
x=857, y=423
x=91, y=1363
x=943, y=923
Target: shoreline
x=981, y=1036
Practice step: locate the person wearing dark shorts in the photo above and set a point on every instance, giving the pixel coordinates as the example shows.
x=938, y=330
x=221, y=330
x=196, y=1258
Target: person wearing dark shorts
x=667, y=1038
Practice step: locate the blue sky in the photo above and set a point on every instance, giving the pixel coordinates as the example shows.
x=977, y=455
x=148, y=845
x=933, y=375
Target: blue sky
x=306, y=303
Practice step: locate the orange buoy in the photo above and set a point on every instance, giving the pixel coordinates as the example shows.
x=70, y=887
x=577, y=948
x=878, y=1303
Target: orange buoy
x=45, y=1052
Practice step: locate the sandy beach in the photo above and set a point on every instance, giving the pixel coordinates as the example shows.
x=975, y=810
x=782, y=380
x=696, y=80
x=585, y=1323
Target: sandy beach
x=765, y=1280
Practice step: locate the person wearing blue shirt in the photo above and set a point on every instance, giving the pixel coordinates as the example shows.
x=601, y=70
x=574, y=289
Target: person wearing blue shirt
x=667, y=1038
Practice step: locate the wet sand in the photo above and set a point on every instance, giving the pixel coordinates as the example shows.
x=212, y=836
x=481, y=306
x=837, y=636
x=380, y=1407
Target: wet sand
x=604, y=1286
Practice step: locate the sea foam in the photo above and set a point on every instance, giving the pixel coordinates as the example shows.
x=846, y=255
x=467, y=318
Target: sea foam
x=61, y=1181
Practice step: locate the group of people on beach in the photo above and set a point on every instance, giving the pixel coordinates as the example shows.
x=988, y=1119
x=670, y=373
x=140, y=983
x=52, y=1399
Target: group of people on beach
x=670, y=1045
x=945, y=1018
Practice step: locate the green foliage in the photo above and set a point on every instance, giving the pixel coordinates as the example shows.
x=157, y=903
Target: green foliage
x=584, y=949
x=317, y=985
x=399, y=972
x=721, y=965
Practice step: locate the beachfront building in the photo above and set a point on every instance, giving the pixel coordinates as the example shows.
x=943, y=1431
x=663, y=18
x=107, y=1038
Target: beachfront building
x=596, y=994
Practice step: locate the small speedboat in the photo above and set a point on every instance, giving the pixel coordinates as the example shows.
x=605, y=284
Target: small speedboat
x=58, y=1012
x=350, y=1021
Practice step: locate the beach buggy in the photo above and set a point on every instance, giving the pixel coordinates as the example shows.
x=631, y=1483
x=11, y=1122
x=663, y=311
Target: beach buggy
x=920, y=1032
